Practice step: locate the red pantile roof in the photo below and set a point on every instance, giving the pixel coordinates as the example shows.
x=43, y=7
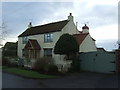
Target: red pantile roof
x=80, y=37
x=32, y=44
x=46, y=28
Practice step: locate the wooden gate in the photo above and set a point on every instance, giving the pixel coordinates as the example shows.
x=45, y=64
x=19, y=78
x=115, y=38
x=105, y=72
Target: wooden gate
x=103, y=62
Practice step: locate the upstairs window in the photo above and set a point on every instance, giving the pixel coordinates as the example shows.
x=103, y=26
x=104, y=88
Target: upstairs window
x=48, y=37
x=24, y=40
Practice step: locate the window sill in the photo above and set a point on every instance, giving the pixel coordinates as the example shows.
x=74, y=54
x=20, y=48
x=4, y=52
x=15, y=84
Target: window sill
x=48, y=42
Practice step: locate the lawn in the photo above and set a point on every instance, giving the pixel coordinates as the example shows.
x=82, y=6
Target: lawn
x=27, y=73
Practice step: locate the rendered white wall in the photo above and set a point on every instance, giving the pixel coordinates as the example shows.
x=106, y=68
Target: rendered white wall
x=88, y=45
x=40, y=39
x=70, y=28
x=20, y=47
x=61, y=62
x=85, y=30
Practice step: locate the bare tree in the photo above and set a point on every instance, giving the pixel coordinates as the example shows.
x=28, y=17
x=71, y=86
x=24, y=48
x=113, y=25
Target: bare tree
x=3, y=33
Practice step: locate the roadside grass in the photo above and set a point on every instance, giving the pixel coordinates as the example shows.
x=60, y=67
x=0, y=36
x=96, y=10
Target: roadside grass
x=27, y=73
x=3, y=67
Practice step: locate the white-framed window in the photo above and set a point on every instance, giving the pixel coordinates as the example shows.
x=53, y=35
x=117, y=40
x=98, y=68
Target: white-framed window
x=25, y=39
x=48, y=37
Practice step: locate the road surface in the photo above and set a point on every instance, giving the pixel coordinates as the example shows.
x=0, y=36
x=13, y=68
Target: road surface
x=77, y=80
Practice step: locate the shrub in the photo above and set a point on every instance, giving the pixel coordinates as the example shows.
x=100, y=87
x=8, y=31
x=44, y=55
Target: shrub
x=5, y=61
x=53, y=68
x=43, y=64
x=13, y=64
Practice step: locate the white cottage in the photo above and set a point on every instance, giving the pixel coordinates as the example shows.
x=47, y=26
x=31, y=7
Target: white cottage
x=39, y=41
x=86, y=42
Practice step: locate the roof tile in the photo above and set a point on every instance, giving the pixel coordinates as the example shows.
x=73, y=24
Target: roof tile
x=46, y=28
x=32, y=44
x=80, y=37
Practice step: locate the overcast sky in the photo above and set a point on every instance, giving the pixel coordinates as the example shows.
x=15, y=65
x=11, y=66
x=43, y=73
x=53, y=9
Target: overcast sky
x=100, y=15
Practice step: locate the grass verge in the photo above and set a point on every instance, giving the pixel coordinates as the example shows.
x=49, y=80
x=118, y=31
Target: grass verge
x=27, y=73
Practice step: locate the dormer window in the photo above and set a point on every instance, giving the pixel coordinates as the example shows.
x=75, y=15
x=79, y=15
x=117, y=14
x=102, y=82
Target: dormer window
x=48, y=37
x=25, y=39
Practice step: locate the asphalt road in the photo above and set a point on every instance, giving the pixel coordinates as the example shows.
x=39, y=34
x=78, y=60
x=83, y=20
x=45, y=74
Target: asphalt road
x=77, y=80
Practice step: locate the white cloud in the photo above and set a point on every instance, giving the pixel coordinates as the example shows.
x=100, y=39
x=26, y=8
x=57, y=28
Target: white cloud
x=101, y=15
x=101, y=2
x=105, y=32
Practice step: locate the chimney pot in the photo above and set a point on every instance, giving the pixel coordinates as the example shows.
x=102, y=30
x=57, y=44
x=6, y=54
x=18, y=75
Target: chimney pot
x=30, y=25
x=70, y=17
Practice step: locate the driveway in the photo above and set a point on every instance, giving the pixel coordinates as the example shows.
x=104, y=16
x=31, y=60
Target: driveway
x=77, y=80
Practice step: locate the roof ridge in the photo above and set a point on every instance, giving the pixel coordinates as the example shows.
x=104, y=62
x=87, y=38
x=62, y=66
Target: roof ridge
x=81, y=33
x=50, y=23
x=45, y=28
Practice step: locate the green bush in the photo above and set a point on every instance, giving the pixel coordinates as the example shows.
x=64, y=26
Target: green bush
x=66, y=44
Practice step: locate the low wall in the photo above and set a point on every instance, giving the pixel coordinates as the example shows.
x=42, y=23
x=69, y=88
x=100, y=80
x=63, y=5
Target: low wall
x=61, y=63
